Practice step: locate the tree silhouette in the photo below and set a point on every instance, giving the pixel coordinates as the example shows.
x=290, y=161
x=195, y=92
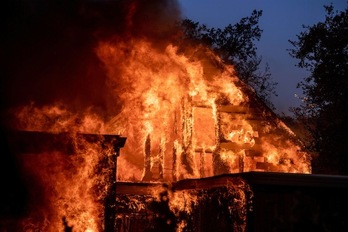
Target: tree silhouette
x=322, y=49
x=235, y=44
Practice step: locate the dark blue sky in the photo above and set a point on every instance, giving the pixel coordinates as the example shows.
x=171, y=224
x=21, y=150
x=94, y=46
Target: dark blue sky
x=281, y=20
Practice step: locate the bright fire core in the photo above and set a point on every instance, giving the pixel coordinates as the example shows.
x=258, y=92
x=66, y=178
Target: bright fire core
x=186, y=116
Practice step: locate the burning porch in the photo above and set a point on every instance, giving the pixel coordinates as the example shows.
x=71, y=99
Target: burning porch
x=252, y=201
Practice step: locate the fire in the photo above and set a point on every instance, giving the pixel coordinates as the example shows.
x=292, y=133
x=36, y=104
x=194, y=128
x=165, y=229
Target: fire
x=67, y=189
x=189, y=102
x=185, y=115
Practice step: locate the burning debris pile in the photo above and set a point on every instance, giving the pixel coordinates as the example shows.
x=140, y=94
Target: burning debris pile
x=185, y=206
x=184, y=112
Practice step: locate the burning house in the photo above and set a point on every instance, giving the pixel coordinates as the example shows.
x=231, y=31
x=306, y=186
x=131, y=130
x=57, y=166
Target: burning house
x=194, y=130
x=207, y=123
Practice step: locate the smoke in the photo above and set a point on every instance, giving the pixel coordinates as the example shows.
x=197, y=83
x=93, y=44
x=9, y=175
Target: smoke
x=49, y=49
x=48, y=55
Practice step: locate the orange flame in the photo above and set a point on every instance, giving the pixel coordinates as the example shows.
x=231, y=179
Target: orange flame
x=185, y=115
x=191, y=103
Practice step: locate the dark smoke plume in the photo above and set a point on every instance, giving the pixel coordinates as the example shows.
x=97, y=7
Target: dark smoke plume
x=48, y=57
x=49, y=48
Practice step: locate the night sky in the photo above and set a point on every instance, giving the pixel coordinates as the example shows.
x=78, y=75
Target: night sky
x=281, y=21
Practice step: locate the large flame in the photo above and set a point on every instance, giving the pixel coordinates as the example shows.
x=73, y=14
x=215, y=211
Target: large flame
x=185, y=115
x=182, y=117
x=159, y=88
x=179, y=106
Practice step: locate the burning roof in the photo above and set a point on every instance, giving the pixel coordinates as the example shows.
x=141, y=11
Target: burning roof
x=187, y=115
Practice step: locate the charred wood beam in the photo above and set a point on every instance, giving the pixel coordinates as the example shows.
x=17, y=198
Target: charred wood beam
x=139, y=188
x=265, y=179
x=147, y=159
x=110, y=199
x=205, y=150
x=233, y=146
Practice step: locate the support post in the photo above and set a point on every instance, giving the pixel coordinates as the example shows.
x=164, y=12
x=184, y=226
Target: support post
x=110, y=199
